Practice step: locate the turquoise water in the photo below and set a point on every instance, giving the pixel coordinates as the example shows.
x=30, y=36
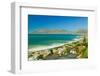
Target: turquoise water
x=35, y=40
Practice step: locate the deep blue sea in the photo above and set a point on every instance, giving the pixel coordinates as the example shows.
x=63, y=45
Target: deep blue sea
x=35, y=40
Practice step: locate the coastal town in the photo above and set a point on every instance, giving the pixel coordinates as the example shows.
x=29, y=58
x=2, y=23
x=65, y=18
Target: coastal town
x=74, y=50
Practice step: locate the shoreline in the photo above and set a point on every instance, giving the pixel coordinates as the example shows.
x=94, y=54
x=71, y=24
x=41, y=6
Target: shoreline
x=77, y=48
x=54, y=45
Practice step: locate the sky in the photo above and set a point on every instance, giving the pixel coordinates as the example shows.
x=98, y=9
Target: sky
x=71, y=23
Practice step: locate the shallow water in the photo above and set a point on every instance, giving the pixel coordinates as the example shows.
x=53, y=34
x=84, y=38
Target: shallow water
x=37, y=40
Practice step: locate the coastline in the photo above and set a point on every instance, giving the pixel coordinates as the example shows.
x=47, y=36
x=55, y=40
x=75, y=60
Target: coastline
x=75, y=49
x=54, y=45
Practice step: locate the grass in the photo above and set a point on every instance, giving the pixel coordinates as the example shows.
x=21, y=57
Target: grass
x=85, y=53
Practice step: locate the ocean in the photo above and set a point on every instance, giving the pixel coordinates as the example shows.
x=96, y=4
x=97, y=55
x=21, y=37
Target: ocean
x=37, y=40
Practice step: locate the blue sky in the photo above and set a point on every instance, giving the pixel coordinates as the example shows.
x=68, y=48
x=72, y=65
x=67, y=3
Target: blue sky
x=70, y=23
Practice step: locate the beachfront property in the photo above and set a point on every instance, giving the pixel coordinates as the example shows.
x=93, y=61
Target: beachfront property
x=57, y=37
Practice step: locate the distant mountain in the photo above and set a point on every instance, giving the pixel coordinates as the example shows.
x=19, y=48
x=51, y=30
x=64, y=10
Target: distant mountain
x=81, y=31
x=58, y=31
x=49, y=31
